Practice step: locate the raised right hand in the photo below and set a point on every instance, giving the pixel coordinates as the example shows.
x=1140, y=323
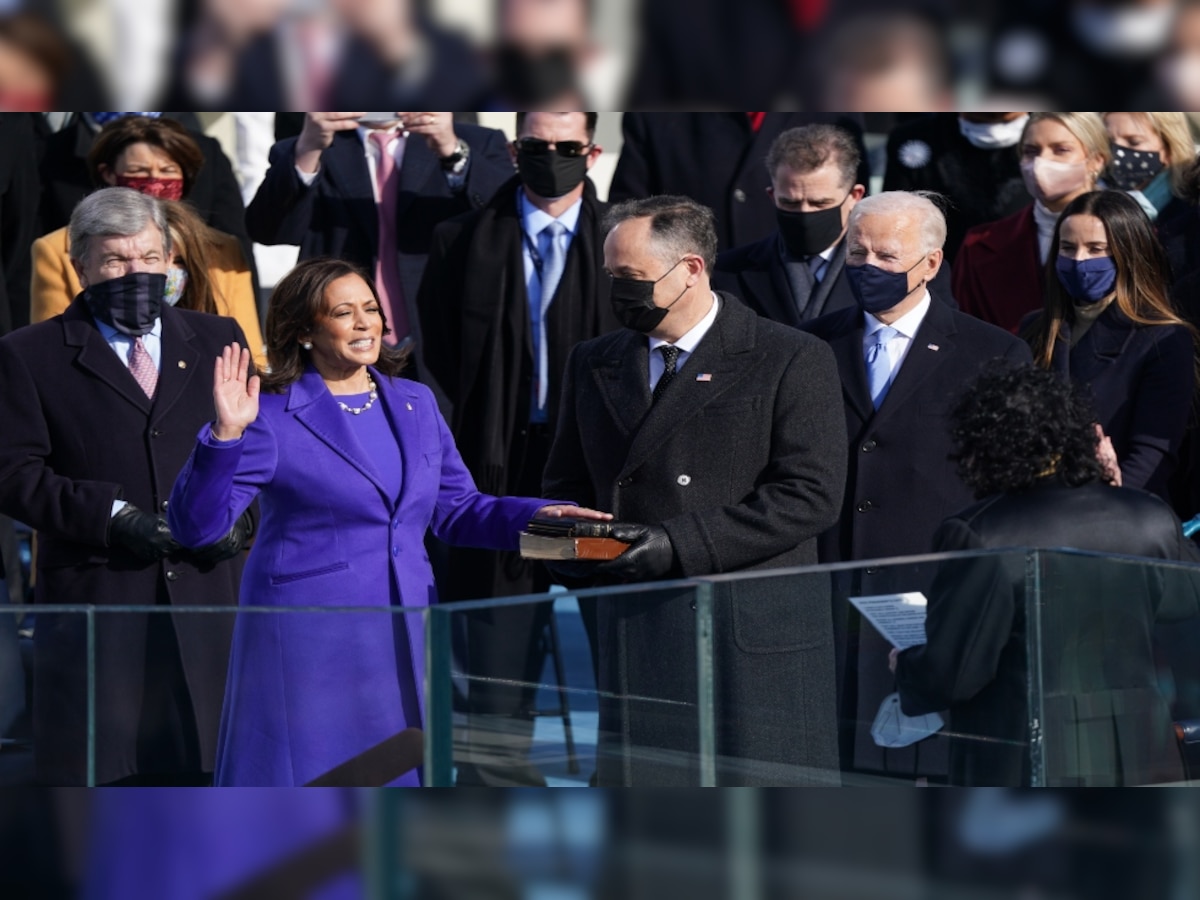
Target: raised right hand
x=317, y=134
x=235, y=393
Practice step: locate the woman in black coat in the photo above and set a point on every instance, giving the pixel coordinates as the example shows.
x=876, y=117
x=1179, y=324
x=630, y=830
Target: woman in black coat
x=1026, y=442
x=1108, y=324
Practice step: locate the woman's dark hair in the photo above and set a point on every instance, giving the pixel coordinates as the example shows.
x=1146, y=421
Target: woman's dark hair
x=1143, y=272
x=166, y=134
x=297, y=304
x=1016, y=424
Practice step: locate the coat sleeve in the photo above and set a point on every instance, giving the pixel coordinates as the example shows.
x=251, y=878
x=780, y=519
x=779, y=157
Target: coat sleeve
x=219, y=481
x=30, y=490
x=465, y=517
x=1161, y=401
x=566, y=473
x=969, y=620
x=282, y=209
x=50, y=290
x=798, y=495
x=490, y=167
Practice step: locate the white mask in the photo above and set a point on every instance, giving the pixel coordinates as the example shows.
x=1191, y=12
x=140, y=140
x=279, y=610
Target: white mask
x=993, y=135
x=1124, y=31
x=1050, y=181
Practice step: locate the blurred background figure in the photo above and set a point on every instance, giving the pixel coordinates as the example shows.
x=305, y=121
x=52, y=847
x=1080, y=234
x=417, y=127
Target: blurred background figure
x=542, y=48
x=33, y=62
x=999, y=267
x=970, y=158
x=1179, y=70
x=882, y=60
x=717, y=160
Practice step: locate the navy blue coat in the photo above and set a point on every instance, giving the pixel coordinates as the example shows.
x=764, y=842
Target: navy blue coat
x=1142, y=381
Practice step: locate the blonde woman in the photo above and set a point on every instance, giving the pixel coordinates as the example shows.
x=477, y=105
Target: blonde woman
x=1151, y=155
x=998, y=272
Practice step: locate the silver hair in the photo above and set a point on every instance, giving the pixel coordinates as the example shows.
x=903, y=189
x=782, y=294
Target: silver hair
x=114, y=212
x=921, y=205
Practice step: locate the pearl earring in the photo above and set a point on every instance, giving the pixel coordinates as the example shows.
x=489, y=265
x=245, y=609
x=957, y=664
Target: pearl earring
x=307, y=345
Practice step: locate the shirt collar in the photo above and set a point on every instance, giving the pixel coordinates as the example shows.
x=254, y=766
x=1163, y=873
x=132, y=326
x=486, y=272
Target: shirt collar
x=110, y=334
x=533, y=220
x=907, y=324
x=689, y=341
x=392, y=132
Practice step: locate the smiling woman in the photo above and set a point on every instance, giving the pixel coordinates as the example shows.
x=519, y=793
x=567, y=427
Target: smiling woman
x=351, y=466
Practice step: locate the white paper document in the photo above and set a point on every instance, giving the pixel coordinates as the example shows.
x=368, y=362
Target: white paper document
x=900, y=618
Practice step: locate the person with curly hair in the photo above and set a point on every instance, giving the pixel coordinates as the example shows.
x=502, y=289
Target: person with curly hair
x=1108, y=323
x=1026, y=444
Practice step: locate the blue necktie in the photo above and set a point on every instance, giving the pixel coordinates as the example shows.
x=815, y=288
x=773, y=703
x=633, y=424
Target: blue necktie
x=554, y=260
x=879, y=365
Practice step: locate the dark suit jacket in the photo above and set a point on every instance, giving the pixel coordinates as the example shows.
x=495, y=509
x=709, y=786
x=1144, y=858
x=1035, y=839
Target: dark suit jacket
x=18, y=212
x=758, y=275
x=80, y=434
x=997, y=273
x=1142, y=382
x=714, y=158
x=743, y=470
x=335, y=216
x=215, y=194
x=900, y=485
x=1104, y=720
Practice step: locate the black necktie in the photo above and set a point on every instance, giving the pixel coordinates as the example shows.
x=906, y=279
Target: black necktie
x=670, y=356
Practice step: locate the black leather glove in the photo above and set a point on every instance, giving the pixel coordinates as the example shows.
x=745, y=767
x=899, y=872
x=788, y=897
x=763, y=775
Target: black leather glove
x=145, y=536
x=227, y=547
x=650, y=555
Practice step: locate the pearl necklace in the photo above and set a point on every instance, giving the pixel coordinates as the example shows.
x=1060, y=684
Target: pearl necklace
x=371, y=397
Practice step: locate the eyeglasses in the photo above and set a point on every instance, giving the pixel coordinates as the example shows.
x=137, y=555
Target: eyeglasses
x=538, y=147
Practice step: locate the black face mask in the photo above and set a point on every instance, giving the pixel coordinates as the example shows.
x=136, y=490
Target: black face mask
x=809, y=233
x=633, y=302
x=549, y=175
x=1130, y=169
x=130, y=304
x=532, y=80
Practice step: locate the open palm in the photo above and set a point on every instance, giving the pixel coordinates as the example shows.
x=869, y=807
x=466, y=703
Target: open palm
x=235, y=393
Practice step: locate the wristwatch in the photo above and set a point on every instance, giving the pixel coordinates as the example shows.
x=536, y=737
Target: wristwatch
x=457, y=161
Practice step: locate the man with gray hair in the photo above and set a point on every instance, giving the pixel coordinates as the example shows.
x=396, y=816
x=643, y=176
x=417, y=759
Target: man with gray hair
x=715, y=438
x=102, y=405
x=903, y=359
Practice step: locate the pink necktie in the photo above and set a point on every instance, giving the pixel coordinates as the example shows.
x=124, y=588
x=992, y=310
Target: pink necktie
x=387, y=268
x=141, y=366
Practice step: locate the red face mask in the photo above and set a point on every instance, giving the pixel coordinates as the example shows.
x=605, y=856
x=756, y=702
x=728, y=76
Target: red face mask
x=159, y=188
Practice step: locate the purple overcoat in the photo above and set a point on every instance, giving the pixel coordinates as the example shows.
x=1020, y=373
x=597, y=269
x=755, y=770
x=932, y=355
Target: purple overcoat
x=308, y=691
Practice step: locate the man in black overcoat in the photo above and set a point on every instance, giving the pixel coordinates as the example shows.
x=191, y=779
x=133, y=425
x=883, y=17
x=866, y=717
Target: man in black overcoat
x=498, y=290
x=715, y=437
x=102, y=406
x=903, y=359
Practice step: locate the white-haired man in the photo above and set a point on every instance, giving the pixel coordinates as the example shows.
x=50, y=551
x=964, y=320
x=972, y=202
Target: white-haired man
x=902, y=361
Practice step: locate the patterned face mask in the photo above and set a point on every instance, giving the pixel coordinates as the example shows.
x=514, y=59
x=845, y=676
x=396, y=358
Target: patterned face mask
x=177, y=279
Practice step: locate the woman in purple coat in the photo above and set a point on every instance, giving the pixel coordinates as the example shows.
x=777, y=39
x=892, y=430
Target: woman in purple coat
x=351, y=466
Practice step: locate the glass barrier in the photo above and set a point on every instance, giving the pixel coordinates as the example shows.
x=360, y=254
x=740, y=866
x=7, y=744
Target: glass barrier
x=623, y=698
x=1010, y=668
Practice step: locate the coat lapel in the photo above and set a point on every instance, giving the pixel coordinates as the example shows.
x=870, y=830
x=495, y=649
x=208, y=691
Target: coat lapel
x=847, y=349
x=725, y=353
x=347, y=169
x=181, y=362
x=317, y=409
x=771, y=286
x=820, y=295
x=1099, y=346
x=931, y=346
x=400, y=403
x=96, y=357
x=419, y=164
x=622, y=379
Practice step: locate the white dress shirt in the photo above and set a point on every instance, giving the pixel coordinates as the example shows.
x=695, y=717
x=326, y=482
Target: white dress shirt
x=686, y=345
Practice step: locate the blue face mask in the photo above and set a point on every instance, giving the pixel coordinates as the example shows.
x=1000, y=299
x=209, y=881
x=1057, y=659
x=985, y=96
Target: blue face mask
x=878, y=290
x=1087, y=280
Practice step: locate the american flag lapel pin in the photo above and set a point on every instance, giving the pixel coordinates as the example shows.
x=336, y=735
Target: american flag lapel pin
x=704, y=376
x=934, y=347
